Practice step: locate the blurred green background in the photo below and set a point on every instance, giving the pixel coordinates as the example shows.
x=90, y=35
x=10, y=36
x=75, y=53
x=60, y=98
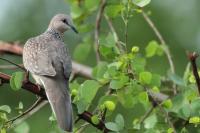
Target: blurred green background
x=177, y=20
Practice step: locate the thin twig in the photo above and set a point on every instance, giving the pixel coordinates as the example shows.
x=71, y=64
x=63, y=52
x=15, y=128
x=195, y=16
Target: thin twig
x=192, y=57
x=79, y=69
x=10, y=67
x=110, y=24
x=83, y=70
x=30, y=113
x=29, y=86
x=162, y=110
x=19, y=66
x=39, y=100
x=146, y=115
x=162, y=41
x=80, y=129
x=97, y=28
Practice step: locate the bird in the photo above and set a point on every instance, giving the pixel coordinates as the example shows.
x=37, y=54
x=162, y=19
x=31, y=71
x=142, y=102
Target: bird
x=48, y=60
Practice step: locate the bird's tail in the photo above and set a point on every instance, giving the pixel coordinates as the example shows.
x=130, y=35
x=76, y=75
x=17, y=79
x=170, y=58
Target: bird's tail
x=59, y=98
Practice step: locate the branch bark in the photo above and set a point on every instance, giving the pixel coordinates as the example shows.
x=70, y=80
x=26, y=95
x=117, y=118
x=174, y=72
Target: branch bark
x=97, y=28
x=162, y=41
x=192, y=57
x=79, y=69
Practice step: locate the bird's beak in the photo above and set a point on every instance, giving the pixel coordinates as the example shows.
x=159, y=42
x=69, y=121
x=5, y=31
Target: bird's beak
x=73, y=28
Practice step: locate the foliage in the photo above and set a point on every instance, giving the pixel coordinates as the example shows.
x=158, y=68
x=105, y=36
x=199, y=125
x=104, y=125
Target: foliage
x=122, y=82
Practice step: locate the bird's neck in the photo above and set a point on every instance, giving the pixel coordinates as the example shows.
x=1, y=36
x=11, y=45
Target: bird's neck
x=55, y=33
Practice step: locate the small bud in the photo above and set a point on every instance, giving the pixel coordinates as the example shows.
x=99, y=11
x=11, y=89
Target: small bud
x=135, y=49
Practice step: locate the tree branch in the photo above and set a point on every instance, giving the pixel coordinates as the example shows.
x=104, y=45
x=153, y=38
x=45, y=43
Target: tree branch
x=29, y=86
x=13, y=48
x=162, y=41
x=79, y=69
x=97, y=28
x=192, y=57
x=39, y=100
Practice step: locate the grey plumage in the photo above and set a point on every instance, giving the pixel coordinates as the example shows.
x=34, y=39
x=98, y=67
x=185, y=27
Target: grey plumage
x=47, y=58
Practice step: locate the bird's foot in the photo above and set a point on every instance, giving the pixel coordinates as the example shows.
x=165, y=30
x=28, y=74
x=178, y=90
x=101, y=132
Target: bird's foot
x=26, y=79
x=39, y=87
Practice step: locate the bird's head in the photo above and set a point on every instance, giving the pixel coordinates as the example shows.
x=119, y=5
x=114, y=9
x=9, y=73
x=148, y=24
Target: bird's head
x=62, y=23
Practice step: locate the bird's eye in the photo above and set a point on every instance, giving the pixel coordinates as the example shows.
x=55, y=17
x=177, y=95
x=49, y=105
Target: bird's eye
x=65, y=21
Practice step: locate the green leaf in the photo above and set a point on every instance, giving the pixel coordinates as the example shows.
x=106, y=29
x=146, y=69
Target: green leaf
x=119, y=83
x=88, y=90
x=119, y=119
x=156, y=80
x=16, y=80
x=52, y=117
x=112, y=72
x=22, y=128
x=108, y=40
x=91, y=5
x=20, y=106
x=117, y=64
x=170, y=130
x=145, y=77
x=126, y=98
x=3, y=130
x=82, y=51
x=185, y=112
x=167, y=104
x=176, y=79
x=74, y=85
x=141, y=3
x=150, y=121
x=107, y=46
x=81, y=105
x=112, y=126
x=112, y=98
x=76, y=11
x=3, y=117
x=143, y=97
x=138, y=64
x=5, y=108
x=151, y=48
x=136, y=124
x=113, y=10
x=99, y=71
x=194, y=120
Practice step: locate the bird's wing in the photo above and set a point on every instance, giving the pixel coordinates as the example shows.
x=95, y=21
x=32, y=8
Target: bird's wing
x=65, y=59
x=36, y=58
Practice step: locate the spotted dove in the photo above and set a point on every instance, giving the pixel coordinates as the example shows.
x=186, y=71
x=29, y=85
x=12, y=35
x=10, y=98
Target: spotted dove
x=48, y=60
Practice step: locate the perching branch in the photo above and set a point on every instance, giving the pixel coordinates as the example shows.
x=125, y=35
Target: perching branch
x=29, y=86
x=117, y=41
x=97, y=28
x=80, y=70
x=13, y=48
x=192, y=57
